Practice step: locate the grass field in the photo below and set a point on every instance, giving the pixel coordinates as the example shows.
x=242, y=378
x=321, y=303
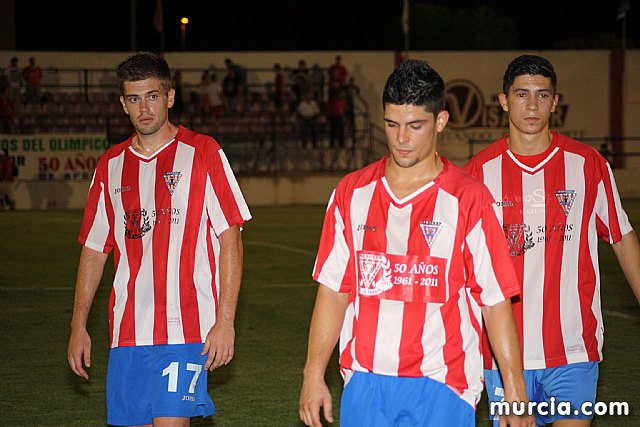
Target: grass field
x=39, y=254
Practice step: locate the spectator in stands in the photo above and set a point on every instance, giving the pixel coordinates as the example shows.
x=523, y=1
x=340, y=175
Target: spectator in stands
x=337, y=77
x=14, y=80
x=301, y=80
x=278, y=87
x=240, y=76
x=217, y=99
x=308, y=112
x=317, y=83
x=7, y=113
x=336, y=109
x=8, y=172
x=211, y=97
x=205, y=99
x=230, y=90
x=32, y=74
x=606, y=153
x=178, y=103
x=351, y=93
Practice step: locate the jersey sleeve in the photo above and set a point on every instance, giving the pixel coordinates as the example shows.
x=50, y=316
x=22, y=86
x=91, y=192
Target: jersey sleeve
x=333, y=261
x=491, y=274
x=96, y=229
x=611, y=220
x=225, y=203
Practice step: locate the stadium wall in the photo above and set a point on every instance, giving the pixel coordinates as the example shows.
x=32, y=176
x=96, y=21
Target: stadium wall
x=473, y=78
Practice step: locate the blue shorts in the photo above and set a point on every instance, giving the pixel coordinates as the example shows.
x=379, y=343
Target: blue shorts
x=148, y=382
x=569, y=385
x=371, y=400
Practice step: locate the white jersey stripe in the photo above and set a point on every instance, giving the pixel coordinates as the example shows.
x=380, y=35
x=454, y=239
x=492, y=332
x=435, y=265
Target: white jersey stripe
x=596, y=303
x=120, y=281
x=446, y=212
x=534, y=269
x=144, y=313
x=492, y=172
x=233, y=183
x=390, y=320
x=386, y=358
x=97, y=237
x=359, y=208
x=337, y=259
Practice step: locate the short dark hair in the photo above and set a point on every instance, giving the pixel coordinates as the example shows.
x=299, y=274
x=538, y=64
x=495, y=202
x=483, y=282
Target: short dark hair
x=414, y=82
x=532, y=65
x=142, y=66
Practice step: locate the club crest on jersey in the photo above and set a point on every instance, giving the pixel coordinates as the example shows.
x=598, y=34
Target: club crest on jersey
x=136, y=223
x=430, y=230
x=375, y=274
x=519, y=238
x=566, y=198
x=172, y=179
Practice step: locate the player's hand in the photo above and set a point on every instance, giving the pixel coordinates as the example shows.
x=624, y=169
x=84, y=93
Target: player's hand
x=79, y=352
x=313, y=396
x=219, y=344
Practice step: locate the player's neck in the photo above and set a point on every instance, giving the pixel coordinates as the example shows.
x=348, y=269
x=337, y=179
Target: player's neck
x=405, y=181
x=149, y=144
x=529, y=144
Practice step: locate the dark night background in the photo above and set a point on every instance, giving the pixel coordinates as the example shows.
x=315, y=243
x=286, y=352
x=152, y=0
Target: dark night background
x=237, y=25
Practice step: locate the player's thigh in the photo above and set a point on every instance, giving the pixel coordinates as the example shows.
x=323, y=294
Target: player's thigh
x=567, y=389
x=128, y=391
x=179, y=382
x=385, y=401
x=171, y=422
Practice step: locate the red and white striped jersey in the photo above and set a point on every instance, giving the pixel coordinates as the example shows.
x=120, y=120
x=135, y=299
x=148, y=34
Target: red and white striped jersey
x=552, y=215
x=418, y=271
x=161, y=215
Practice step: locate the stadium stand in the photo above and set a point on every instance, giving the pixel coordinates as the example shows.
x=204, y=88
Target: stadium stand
x=261, y=138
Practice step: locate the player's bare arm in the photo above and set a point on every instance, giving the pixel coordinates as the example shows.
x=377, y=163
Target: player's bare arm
x=627, y=251
x=503, y=336
x=90, y=269
x=221, y=338
x=326, y=323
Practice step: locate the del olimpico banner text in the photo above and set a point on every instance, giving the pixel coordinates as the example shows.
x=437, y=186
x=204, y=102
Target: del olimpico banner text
x=49, y=157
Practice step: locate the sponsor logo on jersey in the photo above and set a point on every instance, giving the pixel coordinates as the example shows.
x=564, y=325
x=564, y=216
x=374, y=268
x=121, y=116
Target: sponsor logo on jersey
x=566, y=198
x=504, y=203
x=136, y=223
x=519, y=238
x=122, y=189
x=365, y=227
x=172, y=179
x=375, y=273
x=430, y=230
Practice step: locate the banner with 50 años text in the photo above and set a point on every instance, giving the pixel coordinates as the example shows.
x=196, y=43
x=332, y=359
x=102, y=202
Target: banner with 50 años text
x=53, y=157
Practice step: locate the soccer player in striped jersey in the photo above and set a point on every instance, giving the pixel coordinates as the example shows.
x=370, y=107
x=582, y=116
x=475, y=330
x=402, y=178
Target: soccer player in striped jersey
x=410, y=260
x=554, y=197
x=166, y=202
